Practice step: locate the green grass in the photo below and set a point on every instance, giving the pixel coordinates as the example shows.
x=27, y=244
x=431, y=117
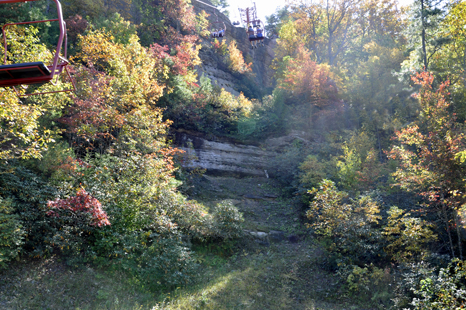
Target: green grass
x=253, y=278
x=50, y=284
x=241, y=275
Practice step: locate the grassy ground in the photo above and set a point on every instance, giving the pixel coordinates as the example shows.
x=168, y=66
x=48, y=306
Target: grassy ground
x=251, y=274
x=51, y=284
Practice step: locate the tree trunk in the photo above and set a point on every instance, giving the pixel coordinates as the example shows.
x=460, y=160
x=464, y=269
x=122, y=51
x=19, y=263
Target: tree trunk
x=423, y=36
x=464, y=65
x=330, y=37
x=445, y=218
x=457, y=222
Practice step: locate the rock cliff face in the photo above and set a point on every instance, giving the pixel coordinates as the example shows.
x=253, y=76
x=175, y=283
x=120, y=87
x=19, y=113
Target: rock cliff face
x=213, y=66
x=223, y=156
x=219, y=155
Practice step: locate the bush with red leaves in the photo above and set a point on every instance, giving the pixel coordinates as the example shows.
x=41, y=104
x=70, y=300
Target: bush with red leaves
x=81, y=203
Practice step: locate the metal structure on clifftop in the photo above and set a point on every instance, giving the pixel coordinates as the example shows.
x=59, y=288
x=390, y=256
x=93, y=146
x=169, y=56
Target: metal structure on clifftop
x=248, y=16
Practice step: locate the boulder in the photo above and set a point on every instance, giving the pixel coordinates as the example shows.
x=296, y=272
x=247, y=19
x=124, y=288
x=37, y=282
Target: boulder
x=276, y=236
x=293, y=238
x=259, y=235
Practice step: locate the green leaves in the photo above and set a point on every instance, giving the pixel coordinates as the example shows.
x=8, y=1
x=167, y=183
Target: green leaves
x=12, y=233
x=350, y=225
x=407, y=235
x=442, y=290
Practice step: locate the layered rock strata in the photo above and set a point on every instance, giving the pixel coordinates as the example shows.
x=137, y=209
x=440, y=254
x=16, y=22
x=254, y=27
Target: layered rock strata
x=222, y=157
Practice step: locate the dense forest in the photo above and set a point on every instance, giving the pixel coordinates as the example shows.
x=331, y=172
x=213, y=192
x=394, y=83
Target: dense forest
x=91, y=178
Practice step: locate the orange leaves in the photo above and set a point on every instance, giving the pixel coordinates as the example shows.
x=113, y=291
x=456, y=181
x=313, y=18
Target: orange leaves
x=429, y=151
x=304, y=77
x=425, y=79
x=182, y=63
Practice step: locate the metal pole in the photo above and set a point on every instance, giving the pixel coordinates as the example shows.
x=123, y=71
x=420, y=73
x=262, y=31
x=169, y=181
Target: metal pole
x=61, y=23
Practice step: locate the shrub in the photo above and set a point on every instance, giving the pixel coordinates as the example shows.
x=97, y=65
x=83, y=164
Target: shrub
x=227, y=221
x=350, y=225
x=407, y=235
x=147, y=214
x=166, y=263
x=11, y=233
x=56, y=160
x=368, y=283
x=28, y=194
x=236, y=61
x=359, y=168
x=220, y=46
x=313, y=171
x=447, y=290
x=285, y=167
x=75, y=219
x=82, y=208
x=427, y=288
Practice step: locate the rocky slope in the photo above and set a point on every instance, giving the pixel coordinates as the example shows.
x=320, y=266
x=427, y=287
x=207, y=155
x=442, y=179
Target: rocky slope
x=221, y=155
x=213, y=66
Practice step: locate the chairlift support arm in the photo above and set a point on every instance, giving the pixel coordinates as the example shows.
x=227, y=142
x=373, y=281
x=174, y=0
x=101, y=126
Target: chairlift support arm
x=59, y=62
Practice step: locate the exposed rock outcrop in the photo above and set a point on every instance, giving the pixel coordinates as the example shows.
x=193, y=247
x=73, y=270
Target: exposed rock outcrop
x=222, y=156
x=213, y=66
x=231, y=157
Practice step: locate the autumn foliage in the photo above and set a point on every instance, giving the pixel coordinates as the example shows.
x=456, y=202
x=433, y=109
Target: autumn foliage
x=306, y=79
x=82, y=203
x=236, y=61
x=75, y=25
x=430, y=156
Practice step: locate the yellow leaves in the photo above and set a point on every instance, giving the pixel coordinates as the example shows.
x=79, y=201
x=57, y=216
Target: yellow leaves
x=135, y=70
x=329, y=213
x=236, y=60
x=202, y=24
x=406, y=234
x=289, y=41
x=20, y=135
x=456, y=20
x=97, y=47
x=24, y=46
x=245, y=104
x=239, y=104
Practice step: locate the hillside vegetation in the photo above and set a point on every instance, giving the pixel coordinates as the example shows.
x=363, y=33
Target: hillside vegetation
x=96, y=208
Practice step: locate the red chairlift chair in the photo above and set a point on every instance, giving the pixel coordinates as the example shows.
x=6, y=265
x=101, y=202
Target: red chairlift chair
x=36, y=72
